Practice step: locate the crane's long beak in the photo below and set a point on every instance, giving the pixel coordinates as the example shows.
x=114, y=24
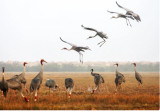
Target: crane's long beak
x=45, y=61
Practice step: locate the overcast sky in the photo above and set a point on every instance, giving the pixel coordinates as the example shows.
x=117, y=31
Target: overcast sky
x=30, y=30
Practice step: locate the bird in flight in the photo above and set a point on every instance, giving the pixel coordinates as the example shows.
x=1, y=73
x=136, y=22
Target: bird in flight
x=76, y=48
x=130, y=12
x=98, y=33
x=125, y=16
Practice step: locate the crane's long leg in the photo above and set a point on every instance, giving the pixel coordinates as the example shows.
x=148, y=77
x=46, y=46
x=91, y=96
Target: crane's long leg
x=126, y=21
x=101, y=42
x=26, y=88
x=35, y=98
x=129, y=22
x=24, y=96
x=80, y=57
x=70, y=92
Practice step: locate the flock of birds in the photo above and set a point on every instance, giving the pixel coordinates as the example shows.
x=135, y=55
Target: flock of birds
x=129, y=15
x=16, y=82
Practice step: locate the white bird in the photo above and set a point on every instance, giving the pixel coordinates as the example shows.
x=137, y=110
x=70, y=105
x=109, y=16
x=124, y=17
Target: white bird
x=76, y=48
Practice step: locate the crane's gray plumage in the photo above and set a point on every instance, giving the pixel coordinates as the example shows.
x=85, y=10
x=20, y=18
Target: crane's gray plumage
x=37, y=81
x=125, y=16
x=69, y=84
x=21, y=77
x=137, y=75
x=98, y=79
x=79, y=49
x=16, y=85
x=50, y=83
x=4, y=84
x=119, y=78
x=98, y=33
x=130, y=12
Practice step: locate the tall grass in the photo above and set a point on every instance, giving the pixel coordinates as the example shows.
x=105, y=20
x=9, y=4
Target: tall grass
x=131, y=97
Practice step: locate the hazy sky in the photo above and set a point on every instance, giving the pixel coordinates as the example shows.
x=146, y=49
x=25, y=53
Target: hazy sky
x=30, y=30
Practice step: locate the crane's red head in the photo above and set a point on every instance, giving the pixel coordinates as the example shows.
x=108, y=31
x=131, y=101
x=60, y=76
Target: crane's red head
x=134, y=64
x=25, y=63
x=116, y=64
x=3, y=69
x=42, y=60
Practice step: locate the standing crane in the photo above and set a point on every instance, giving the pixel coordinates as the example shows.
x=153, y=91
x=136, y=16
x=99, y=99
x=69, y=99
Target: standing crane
x=50, y=83
x=137, y=75
x=21, y=77
x=125, y=16
x=76, y=48
x=98, y=33
x=37, y=81
x=4, y=84
x=16, y=85
x=69, y=86
x=98, y=79
x=130, y=12
x=119, y=78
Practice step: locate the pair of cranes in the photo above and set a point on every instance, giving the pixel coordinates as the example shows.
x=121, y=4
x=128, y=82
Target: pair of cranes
x=121, y=79
x=15, y=83
x=81, y=49
x=129, y=15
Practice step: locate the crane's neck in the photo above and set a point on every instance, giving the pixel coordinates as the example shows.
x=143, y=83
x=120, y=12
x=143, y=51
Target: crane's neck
x=3, y=76
x=92, y=73
x=135, y=69
x=116, y=71
x=42, y=68
x=24, y=69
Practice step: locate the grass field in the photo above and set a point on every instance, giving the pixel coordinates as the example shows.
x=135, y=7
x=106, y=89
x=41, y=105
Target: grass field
x=131, y=97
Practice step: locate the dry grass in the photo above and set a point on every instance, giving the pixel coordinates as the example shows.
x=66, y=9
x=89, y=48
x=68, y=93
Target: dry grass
x=131, y=97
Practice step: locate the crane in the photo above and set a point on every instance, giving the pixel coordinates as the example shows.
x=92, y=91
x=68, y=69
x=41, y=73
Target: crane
x=50, y=83
x=130, y=12
x=37, y=81
x=120, y=15
x=119, y=78
x=76, y=48
x=21, y=77
x=4, y=84
x=16, y=85
x=69, y=86
x=98, y=79
x=137, y=75
x=98, y=33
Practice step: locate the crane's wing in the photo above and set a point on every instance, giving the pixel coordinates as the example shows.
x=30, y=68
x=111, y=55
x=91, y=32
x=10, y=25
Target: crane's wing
x=122, y=7
x=113, y=12
x=67, y=42
x=86, y=48
x=89, y=28
x=102, y=79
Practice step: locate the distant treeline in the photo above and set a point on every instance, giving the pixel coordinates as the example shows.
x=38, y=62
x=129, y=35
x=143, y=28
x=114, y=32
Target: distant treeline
x=73, y=67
